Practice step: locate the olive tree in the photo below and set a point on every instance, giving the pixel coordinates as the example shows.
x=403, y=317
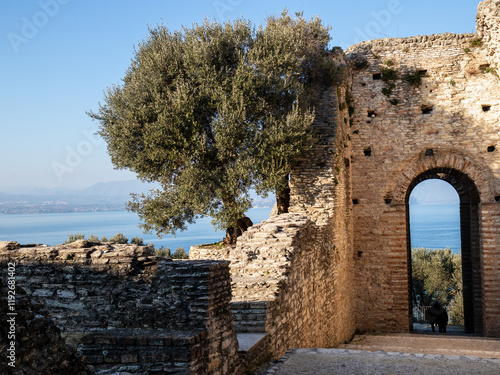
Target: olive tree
x=437, y=276
x=210, y=112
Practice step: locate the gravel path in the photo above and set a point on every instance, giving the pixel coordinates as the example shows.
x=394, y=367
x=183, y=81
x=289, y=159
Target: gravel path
x=405, y=353
x=357, y=362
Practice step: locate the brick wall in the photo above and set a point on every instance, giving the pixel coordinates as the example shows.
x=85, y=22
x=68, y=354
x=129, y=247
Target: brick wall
x=446, y=127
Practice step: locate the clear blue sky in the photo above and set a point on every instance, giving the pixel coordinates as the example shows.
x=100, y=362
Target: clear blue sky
x=57, y=57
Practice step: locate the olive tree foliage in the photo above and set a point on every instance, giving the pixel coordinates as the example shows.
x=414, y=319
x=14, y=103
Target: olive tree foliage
x=211, y=111
x=437, y=276
x=293, y=65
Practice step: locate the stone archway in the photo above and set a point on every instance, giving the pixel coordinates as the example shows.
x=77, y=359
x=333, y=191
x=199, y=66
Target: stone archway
x=470, y=241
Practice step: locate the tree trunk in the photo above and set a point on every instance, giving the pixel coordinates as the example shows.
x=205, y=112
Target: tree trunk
x=234, y=232
x=283, y=198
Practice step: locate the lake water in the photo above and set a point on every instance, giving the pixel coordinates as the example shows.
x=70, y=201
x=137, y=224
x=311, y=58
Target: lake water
x=431, y=227
x=54, y=229
x=435, y=226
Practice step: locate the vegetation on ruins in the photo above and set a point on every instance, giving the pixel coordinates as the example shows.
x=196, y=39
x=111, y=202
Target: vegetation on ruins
x=415, y=78
x=119, y=238
x=211, y=111
x=492, y=70
x=179, y=252
x=437, y=276
x=389, y=74
x=476, y=43
x=74, y=237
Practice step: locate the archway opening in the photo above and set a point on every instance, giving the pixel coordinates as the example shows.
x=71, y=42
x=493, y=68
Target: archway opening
x=469, y=243
x=436, y=258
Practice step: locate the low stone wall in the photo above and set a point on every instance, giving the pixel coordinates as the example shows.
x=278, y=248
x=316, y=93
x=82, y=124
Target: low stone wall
x=30, y=342
x=147, y=351
x=125, y=307
x=249, y=317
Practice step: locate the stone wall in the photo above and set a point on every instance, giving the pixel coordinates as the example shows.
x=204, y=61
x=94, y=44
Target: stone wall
x=292, y=265
x=323, y=175
x=127, y=309
x=488, y=30
x=31, y=343
x=426, y=107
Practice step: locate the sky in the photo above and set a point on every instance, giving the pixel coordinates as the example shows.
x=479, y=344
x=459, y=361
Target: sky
x=57, y=57
x=434, y=192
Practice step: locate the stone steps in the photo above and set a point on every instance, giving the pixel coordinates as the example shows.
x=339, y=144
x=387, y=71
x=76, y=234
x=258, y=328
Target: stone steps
x=253, y=289
x=249, y=317
x=134, y=351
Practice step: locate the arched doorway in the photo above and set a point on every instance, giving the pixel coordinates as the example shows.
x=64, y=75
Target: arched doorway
x=436, y=252
x=469, y=238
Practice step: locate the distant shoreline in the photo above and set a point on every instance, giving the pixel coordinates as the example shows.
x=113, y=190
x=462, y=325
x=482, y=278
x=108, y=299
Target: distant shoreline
x=31, y=209
x=65, y=209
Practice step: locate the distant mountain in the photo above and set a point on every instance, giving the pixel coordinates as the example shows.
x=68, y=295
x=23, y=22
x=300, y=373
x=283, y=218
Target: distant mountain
x=36, y=190
x=103, y=196
x=116, y=188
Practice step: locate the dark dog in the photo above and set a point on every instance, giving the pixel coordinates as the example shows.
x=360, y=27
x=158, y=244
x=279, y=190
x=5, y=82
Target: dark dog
x=437, y=315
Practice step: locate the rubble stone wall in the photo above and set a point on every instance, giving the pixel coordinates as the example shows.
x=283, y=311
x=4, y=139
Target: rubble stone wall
x=488, y=30
x=124, y=307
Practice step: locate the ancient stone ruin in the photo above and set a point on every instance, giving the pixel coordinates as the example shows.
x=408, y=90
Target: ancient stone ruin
x=408, y=110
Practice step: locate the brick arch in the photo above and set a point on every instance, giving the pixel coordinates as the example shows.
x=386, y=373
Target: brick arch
x=470, y=240
x=447, y=164
x=474, y=183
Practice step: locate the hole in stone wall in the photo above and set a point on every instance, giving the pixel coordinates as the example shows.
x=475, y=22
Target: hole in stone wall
x=426, y=109
x=359, y=254
x=388, y=200
x=372, y=114
x=368, y=151
x=491, y=148
x=497, y=198
x=355, y=201
x=377, y=76
x=483, y=67
x=347, y=162
x=486, y=108
x=429, y=152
